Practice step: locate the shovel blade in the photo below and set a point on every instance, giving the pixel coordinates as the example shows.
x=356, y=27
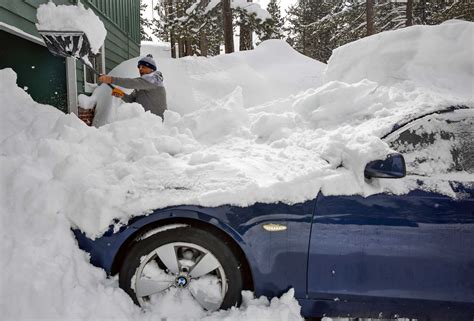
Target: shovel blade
x=66, y=43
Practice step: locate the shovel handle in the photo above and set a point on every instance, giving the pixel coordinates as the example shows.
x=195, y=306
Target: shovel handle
x=95, y=72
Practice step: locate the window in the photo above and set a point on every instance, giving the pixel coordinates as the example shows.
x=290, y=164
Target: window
x=98, y=63
x=437, y=144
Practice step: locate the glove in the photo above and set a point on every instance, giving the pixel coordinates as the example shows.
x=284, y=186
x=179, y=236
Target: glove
x=116, y=92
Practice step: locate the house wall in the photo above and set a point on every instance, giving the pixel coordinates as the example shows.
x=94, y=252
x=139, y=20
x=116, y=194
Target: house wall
x=122, y=21
x=120, y=17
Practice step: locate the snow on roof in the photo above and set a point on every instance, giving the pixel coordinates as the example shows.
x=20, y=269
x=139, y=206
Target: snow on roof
x=72, y=18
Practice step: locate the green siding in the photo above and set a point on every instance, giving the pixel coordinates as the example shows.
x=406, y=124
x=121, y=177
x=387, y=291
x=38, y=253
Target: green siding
x=33, y=61
x=123, y=37
x=120, y=17
x=22, y=14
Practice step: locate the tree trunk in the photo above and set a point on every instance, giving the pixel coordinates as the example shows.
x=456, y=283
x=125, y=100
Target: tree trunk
x=245, y=42
x=189, y=46
x=181, y=39
x=228, y=32
x=409, y=13
x=170, y=9
x=181, y=47
x=203, y=45
x=423, y=11
x=370, y=17
x=173, y=44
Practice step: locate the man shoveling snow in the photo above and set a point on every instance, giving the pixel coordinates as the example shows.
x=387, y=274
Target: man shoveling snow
x=149, y=90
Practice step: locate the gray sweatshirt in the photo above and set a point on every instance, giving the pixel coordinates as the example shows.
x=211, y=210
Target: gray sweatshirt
x=149, y=91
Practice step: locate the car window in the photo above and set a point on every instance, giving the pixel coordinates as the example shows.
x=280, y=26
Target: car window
x=437, y=144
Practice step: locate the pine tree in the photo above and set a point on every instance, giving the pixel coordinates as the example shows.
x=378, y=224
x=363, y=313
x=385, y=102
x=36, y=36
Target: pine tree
x=318, y=27
x=305, y=33
x=278, y=22
x=450, y=9
x=144, y=22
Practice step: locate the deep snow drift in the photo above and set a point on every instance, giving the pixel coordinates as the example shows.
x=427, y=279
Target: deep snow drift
x=272, y=71
x=227, y=138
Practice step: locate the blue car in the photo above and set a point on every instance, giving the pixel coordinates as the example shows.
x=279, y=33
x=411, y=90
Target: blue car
x=385, y=255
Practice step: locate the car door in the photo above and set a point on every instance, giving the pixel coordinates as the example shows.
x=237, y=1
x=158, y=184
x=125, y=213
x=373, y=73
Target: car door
x=417, y=246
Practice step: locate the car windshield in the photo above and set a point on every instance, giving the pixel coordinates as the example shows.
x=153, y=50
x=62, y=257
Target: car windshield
x=437, y=143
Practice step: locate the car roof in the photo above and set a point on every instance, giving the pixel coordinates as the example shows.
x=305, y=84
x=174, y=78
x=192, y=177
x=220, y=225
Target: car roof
x=402, y=125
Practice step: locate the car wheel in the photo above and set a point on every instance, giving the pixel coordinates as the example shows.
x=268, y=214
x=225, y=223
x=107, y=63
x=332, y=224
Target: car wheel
x=187, y=261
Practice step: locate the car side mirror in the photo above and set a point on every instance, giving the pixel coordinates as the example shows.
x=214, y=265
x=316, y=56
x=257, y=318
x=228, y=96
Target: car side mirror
x=392, y=167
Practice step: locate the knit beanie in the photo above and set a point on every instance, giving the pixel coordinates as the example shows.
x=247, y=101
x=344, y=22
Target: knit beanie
x=148, y=62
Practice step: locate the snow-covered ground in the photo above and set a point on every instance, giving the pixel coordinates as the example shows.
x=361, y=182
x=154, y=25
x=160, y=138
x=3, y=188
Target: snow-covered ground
x=264, y=125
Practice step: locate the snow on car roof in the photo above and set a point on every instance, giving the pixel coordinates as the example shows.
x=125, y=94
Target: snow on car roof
x=241, y=128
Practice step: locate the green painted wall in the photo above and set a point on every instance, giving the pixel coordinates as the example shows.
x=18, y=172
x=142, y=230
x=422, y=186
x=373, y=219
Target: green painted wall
x=120, y=17
x=122, y=21
x=32, y=62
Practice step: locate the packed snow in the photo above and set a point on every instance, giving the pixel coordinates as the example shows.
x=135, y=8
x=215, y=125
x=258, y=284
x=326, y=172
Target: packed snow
x=411, y=55
x=258, y=126
x=72, y=18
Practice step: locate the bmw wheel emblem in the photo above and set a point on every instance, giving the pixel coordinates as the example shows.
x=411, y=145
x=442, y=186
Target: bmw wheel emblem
x=181, y=281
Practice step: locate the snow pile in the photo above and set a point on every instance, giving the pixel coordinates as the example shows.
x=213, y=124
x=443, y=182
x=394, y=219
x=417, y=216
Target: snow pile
x=220, y=148
x=48, y=277
x=272, y=71
x=159, y=49
x=86, y=102
x=72, y=18
x=438, y=57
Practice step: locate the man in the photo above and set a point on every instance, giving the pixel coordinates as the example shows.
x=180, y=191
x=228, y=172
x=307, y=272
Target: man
x=149, y=90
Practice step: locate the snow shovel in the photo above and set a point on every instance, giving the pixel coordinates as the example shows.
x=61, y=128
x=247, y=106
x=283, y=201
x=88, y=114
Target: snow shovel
x=69, y=44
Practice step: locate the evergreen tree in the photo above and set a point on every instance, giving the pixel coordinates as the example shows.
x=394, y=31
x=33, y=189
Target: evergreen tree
x=144, y=22
x=278, y=22
x=305, y=33
x=318, y=27
x=447, y=10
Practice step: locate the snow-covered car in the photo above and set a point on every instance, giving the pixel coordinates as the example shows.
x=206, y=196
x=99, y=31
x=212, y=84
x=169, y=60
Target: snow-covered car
x=383, y=255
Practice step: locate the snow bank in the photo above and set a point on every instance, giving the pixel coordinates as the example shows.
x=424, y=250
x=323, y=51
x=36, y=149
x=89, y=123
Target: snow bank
x=159, y=49
x=225, y=149
x=438, y=57
x=272, y=71
x=72, y=18
x=46, y=274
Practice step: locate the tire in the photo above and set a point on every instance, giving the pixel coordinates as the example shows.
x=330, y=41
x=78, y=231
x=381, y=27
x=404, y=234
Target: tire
x=180, y=259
